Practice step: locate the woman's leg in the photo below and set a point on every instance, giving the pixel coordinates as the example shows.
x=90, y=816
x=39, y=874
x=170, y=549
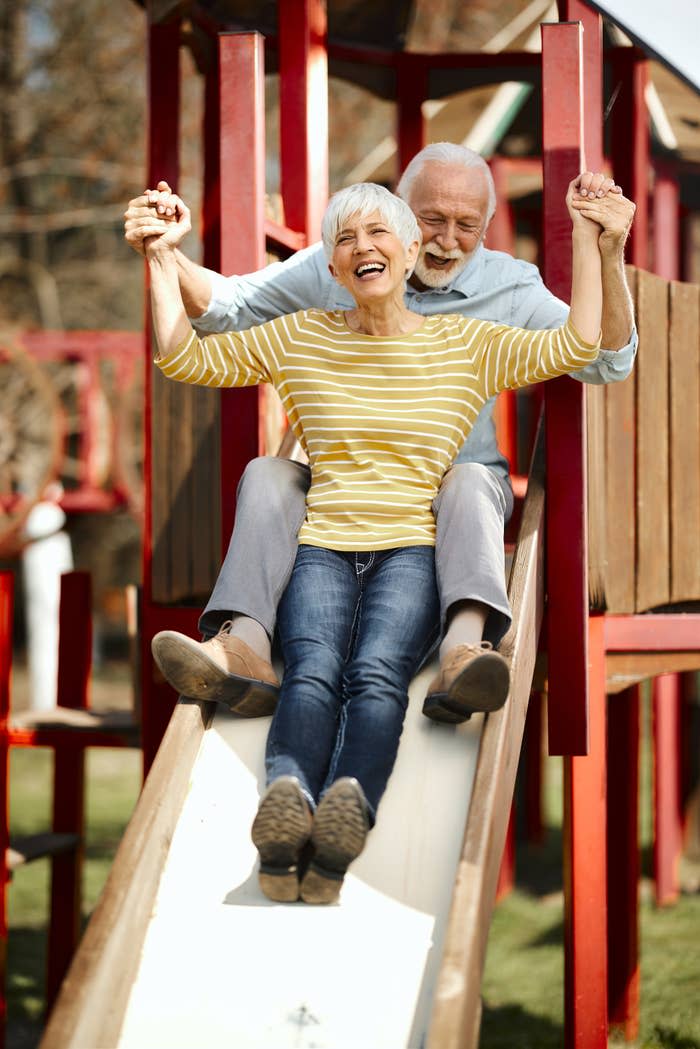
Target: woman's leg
x=397, y=622
x=316, y=620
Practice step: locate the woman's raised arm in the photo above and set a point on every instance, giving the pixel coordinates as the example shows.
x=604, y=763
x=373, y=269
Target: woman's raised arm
x=170, y=321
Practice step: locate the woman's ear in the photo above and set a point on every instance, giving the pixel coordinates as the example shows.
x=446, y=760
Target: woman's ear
x=411, y=255
x=331, y=270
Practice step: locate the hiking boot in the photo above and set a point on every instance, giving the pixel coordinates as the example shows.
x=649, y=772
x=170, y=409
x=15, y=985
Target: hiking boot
x=341, y=826
x=224, y=669
x=472, y=678
x=280, y=831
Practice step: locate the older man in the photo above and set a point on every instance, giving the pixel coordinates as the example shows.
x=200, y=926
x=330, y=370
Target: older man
x=451, y=192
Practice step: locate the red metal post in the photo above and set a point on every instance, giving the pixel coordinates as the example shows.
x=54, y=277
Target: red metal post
x=567, y=537
x=411, y=93
x=163, y=150
x=629, y=144
x=241, y=108
x=534, y=818
x=74, y=664
x=303, y=114
x=668, y=830
x=667, y=231
x=585, y=909
x=501, y=237
x=506, y=873
x=6, y=601
x=623, y=862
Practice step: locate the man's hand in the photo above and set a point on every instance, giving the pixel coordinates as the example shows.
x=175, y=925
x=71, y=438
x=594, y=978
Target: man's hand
x=149, y=215
x=164, y=235
x=584, y=197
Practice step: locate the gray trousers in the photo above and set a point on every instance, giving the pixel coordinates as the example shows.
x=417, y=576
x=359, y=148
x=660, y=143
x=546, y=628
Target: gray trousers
x=471, y=508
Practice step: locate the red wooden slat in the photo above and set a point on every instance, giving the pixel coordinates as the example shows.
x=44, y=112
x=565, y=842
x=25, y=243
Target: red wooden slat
x=6, y=603
x=678, y=632
x=567, y=571
x=241, y=107
x=585, y=909
x=623, y=861
x=629, y=144
x=74, y=665
x=668, y=831
x=411, y=93
x=303, y=114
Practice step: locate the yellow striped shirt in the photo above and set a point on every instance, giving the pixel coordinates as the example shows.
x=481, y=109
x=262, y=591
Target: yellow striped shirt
x=381, y=418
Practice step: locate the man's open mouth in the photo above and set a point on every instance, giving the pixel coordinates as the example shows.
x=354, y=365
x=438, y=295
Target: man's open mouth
x=437, y=261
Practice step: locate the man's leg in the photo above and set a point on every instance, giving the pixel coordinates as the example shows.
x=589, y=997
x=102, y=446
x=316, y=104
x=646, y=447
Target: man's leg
x=471, y=509
x=234, y=665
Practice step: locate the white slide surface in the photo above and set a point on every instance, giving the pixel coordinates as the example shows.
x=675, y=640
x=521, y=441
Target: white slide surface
x=223, y=966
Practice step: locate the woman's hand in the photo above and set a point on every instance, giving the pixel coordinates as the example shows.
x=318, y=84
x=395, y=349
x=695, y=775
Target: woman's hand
x=151, y=215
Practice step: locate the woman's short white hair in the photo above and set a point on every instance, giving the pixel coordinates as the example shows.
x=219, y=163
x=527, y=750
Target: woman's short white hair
x=362, y=199
x=447, y=153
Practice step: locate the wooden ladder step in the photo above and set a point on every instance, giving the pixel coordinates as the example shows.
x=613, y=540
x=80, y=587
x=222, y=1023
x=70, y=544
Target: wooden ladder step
x=110, y=722
x=26, y=848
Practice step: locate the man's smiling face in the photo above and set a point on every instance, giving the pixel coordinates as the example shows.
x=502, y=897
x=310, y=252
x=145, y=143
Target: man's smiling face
x=450, y=202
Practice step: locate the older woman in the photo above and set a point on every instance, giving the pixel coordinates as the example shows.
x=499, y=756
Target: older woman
x=381, y=399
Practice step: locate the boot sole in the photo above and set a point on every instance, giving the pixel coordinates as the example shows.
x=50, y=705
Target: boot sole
x=339, y=833
x=280, y=831
x=194, y=674
x=482, y=687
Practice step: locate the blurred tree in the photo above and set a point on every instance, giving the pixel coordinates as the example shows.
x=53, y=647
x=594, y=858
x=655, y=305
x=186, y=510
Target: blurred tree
x=72, y=136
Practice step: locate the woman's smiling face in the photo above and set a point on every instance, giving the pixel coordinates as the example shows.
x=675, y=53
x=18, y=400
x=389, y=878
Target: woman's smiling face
x=369, y=259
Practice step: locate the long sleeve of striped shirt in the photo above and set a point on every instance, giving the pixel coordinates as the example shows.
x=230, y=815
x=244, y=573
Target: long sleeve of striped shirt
x=381, y=418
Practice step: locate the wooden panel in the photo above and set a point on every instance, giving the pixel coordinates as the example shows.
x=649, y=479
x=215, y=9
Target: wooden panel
x=456, y=1008
x=620, y=497
x=623, y=669
x=684, y=401
x=596, y=444
x=653, y=526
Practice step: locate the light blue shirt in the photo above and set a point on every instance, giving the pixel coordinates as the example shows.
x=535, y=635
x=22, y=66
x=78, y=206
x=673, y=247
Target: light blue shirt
x=493, y=286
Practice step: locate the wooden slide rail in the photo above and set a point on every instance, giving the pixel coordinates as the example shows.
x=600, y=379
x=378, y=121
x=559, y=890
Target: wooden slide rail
x=91, y=1006
x=457, y=1003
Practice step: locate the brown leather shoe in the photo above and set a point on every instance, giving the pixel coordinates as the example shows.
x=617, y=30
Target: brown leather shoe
x=223, y=669
x=472, y=678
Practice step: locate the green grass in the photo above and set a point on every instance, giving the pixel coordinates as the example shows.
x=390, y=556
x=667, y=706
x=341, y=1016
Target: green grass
x=113, y=778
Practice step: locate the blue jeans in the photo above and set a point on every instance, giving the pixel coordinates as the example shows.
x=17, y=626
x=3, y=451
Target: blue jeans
x=354, y=628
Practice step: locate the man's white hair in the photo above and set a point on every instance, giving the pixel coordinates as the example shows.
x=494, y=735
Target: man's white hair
x=447, y=153
x=362, y=199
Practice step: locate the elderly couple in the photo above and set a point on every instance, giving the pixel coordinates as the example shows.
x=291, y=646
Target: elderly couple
x=387, y=345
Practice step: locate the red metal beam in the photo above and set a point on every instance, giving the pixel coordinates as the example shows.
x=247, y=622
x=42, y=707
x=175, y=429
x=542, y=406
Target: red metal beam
x=303, y=114
x=623, y=862
x=668, y=825
x=74, y=665
x=241, y=109
x=163, y=152
x=667, y=230
x=629, y=144
x=585, y=908
x=411, y=93
x=567, y=553
x=675, y=632
x=6, y=605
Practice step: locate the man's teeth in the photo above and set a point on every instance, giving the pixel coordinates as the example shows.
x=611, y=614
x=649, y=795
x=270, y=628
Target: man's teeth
x=369, y=267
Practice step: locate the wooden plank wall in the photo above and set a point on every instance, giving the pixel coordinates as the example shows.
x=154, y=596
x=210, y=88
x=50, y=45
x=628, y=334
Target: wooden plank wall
x=646, y=553
x=186, y=492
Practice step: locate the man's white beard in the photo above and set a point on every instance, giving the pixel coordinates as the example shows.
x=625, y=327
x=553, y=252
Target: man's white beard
x=437, y=278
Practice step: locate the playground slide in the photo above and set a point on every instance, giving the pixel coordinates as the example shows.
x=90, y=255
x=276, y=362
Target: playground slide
x=184, y=950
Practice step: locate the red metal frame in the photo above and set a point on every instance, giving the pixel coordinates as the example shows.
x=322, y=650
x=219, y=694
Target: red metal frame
x=623, y=862
x=6, y=620
x=629, y=145
x=668, y=821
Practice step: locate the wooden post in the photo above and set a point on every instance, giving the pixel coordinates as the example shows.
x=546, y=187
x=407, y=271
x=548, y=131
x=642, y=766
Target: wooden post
x=6, y=603
x=74, y=665
x=629, y=148
x=668, y=831
x=241, y=107
x=623, y=862
x=163, y=142
x=303, y=114
x=585, y=909
x=411, y=93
